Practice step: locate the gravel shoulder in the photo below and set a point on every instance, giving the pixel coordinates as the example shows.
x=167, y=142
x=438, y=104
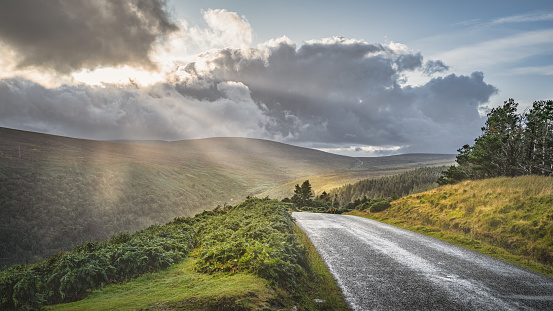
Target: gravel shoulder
x=382, y=267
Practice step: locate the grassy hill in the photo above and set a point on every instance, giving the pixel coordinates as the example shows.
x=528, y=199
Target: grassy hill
x=510, y=218
x=244, y=257
x=56, y=191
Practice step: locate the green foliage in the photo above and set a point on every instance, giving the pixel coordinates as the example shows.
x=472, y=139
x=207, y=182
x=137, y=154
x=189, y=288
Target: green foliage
x=302, y=195
x=255, y=236
x=511, y=145
x=417, y=180
x=69, y=276
x=452, y=175
x=379, y=206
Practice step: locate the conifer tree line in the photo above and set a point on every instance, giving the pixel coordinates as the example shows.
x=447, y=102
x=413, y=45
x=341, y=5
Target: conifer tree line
x=366, y=193
x=511, y=144
x=393, y=187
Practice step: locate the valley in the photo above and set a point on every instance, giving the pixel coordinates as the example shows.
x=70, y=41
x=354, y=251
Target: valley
x=56, y=192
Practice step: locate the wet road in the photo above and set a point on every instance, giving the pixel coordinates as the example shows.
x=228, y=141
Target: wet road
x=382, y=267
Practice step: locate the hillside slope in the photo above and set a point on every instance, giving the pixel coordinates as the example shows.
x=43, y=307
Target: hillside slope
x=56, y=192
x=508, y=217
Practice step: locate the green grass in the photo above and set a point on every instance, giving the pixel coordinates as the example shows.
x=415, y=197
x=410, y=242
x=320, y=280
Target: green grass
x=180, y=287
x=508, y=218
x=320, y=284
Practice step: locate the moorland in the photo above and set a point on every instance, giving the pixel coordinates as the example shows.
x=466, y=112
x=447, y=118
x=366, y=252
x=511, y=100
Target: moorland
x=57, y=192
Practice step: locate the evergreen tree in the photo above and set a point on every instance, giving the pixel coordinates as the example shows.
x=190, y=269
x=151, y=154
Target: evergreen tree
x=539, y=137
x=303, y=194
x=511, y=145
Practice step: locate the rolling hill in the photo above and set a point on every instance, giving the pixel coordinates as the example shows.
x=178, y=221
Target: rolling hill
x=56, y=191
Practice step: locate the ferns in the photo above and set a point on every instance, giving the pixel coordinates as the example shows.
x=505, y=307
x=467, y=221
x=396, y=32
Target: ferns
x=70, y=276
x=256, y=236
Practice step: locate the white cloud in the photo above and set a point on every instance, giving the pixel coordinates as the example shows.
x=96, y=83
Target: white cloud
x=124, y=112
x=541, y=70
x=365, y=151
x=225, y=29
x=499, y=51
x=523, y=18
x=519, y=18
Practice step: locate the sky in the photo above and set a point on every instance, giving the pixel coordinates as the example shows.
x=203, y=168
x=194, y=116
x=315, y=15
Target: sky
x=359, y=78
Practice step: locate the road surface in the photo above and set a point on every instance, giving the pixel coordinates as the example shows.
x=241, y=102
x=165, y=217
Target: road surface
x=382, y=267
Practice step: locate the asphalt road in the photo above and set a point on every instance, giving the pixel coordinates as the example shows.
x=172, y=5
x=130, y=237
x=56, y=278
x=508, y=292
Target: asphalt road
x=382, y=267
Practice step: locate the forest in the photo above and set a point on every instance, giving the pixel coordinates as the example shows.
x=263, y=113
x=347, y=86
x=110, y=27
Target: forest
x=511, y=144
x=366, y=193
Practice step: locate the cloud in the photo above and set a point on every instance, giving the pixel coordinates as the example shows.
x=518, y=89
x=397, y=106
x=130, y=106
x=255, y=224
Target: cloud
x=500, y=51
x=433, y=66
x=67, y=35
x=523, y=18
x=123, y=112
x=520, y=18
x=342, y=91
x=334, y=94
x=363, y=151
x=225, y=29
x=409, y=62
x=542, y=70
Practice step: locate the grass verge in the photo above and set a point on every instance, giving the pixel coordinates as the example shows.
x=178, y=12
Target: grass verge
x=319, y=291
x=507, y=218
x=180, y=288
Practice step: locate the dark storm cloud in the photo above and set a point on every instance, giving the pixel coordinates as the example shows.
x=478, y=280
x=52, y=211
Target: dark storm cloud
x=336, y=92
x=67, y=35
x=434, y=66
x=409, y=62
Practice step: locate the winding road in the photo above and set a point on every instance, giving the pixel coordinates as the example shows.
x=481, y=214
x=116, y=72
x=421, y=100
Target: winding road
x=382, y=267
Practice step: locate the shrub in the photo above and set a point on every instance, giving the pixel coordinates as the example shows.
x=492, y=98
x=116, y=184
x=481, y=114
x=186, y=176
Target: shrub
x=70, y=276
x=264, y=243
x=379, y=206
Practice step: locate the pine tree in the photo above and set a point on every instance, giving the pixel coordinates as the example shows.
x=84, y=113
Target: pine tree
x=511, y=145
x=303, y=194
